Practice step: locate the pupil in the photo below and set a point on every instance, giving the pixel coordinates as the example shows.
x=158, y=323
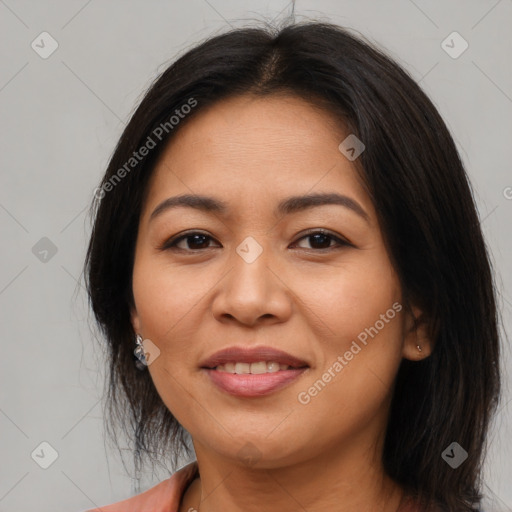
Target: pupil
x=195, y=239
x=319, y=237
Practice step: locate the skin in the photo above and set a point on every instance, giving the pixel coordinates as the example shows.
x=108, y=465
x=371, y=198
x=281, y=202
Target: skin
x=313, y=303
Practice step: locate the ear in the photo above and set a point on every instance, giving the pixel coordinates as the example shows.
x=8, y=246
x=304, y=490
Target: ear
x=416, y=334
x=135, y=320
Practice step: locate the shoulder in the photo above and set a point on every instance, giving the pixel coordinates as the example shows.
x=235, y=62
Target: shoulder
x=163, y=497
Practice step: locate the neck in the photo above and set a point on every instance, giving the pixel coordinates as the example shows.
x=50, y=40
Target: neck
x=343, y=482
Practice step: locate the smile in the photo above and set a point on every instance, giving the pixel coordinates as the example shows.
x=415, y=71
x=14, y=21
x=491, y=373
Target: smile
x=252, y=368
x=250, y=385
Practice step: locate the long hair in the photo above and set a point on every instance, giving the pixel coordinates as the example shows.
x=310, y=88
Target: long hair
x=413, y=173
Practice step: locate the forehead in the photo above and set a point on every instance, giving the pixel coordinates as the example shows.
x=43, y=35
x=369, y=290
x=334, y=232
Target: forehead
x=256, y=147
x=256, y=126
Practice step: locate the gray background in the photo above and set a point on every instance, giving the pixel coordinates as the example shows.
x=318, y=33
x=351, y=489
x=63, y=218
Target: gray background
x=61, y=118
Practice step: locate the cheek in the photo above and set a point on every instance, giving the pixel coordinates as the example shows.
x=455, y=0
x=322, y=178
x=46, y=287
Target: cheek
x=165, y=297
x=361, y=354
x=352, y=297
x=166, y=301
x=354, y=381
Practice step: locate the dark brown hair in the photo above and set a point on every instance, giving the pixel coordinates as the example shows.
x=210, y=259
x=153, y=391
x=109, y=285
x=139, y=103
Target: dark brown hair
x=414, y=175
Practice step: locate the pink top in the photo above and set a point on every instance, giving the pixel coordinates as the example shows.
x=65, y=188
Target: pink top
x=166, y=496
x=163, y=497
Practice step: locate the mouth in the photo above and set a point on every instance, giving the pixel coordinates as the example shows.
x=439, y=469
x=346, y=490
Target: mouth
x=253, y=372
x=258, y=368
x=252, y=360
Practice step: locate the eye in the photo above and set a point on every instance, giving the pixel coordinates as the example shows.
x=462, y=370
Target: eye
x=190, y=241
x=321, y=239
x=195, y=240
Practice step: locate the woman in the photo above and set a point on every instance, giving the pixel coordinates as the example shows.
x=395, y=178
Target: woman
x=287, y=265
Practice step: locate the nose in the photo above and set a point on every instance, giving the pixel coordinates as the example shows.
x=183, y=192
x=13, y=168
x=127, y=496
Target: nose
x=252, y=292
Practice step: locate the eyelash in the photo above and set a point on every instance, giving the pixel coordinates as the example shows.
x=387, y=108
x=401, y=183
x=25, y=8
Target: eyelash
x=172, y=242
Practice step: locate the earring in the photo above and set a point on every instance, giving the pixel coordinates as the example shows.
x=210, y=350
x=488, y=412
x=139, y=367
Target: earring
x=418, y=347
x=140, y=362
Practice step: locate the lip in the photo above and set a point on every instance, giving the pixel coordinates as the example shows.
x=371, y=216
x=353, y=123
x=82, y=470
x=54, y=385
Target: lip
x=252, y=355
x=247, y=385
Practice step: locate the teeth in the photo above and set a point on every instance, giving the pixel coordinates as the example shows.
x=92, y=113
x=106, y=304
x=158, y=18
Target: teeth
x=260, y=367
x=242, y=368
x=253, y=368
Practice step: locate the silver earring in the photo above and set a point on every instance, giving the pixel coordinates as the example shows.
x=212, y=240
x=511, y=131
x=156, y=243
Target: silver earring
x=419, y=348
x=140, y=362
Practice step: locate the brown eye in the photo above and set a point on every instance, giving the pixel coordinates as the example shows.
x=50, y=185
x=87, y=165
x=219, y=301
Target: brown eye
x=189, y=242
x=196, y=241
x=322, y=240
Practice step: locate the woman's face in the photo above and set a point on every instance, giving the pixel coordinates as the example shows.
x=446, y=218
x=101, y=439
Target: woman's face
x=257, y=275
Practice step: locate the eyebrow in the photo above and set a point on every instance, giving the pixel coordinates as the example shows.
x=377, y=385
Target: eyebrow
x=286, y=207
